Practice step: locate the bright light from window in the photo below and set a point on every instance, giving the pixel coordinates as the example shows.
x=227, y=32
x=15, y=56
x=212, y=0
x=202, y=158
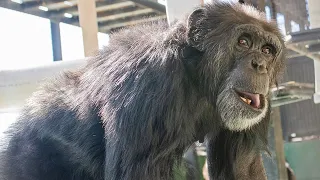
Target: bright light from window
x=68, y=3
x=25, y=40
x=43, y=8
x=281, y=25
x=17, y=1
x=6, y=119
x=288, y=38
x=71, y=42
x=294, y=26
x=268, y=13
x=163, y=2
x=67, y=15
x=103, y=40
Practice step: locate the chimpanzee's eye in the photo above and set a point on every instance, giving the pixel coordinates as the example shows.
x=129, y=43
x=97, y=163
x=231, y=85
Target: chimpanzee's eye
x=268, y=49
x=244, y=41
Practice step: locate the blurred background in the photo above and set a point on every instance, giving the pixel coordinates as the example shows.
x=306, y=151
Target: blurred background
x=39, y=38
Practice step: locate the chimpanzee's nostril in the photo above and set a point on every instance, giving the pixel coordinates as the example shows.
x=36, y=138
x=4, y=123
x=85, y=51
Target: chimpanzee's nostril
x=259, y=65
x=254, y=64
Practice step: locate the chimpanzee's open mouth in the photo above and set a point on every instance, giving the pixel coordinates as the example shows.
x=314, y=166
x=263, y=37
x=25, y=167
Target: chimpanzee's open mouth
x=255, y=101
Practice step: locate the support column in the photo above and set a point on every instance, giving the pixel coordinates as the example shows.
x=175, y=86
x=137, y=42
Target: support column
x=178, y=9
x=287, y=23
x=279, y=147
x=270, y=162
x=89, y=25
x=273, y=7
x=314, y=13
x=56, y=41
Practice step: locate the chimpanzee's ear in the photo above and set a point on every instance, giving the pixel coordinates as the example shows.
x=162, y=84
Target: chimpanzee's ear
x=196, y=29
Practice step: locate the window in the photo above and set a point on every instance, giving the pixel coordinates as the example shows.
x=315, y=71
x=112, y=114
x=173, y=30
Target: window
x=268, y=12
x=71, y=42
x=103, y=40
x=280, y=20
x=163, y=2
x=294, y=26
x=6, y=119
x=25, y=40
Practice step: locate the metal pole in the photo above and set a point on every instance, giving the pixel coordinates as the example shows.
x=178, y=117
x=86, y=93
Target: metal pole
x=279, y=147
x=56, y=41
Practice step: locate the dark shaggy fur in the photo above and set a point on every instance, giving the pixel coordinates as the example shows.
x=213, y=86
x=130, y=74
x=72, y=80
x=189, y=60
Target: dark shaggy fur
x=139, y=103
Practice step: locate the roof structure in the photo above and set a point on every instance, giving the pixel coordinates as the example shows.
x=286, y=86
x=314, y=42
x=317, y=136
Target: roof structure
x=111, y=14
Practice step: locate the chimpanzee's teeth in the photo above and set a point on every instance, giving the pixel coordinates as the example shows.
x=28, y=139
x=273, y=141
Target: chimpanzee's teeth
x=248, y=101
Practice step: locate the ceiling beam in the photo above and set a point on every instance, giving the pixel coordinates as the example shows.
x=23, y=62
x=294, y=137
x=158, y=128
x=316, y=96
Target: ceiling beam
x=109, y=27
x=20, y=7
x=117, y=11
x=36, y=12
x=300, y=42
x=100, y=7
x=23, y=1
x=58, y=5
x=303, y=51
x=124, y=15
x=109, y=7
x=104, y=7
x=62, y=5
x=308, y=36
x=315, y=48
x=151, y=4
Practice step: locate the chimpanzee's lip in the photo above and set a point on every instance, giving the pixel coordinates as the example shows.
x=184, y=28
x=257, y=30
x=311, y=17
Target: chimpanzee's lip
x=253, y=100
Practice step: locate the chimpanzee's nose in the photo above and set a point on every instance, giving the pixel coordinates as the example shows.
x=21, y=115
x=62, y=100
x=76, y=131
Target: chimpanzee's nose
x=259, y=65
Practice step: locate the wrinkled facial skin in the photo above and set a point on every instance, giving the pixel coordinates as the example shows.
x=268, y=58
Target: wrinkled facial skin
x=254, y=55
x=243, y=55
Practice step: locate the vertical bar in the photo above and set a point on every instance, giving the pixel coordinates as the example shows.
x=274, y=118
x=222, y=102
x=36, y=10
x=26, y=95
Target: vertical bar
x=301, y=25
x=287, y=22
x=273, y=7
x=270, y=162
x=89, y=25
x=279, y=147
x=192, y=165
x=56, y=41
